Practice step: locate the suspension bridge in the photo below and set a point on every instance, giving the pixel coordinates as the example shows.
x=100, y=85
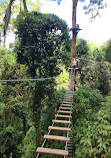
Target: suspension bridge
x=62, y=122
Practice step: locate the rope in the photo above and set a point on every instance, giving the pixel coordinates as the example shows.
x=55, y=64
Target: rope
x=20, y=80
x=50, y=131
x=92, y=61
x=37, y=79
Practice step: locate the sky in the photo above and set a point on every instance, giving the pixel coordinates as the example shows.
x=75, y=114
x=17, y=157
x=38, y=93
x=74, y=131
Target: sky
x=97, y=31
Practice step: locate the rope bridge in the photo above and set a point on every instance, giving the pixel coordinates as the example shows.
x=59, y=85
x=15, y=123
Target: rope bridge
x=63, y=117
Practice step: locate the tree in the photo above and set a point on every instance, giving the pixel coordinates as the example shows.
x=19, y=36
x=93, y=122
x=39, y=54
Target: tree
x=96, y=75
x=40, y=39
x=95, y=52
x=107, y=50
x=81, y=48
x=13, y=105
x=92, y=124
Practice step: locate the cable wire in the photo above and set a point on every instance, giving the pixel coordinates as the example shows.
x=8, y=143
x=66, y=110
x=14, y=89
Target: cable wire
x=20, y=80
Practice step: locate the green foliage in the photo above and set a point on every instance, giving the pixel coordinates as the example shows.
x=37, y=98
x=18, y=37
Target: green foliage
x=92, y=124
x=29, y=143
x=40, y=39
x=44, y=44
x=12, y=98
x=63, y=79
x=95, y=52
x=96, y=75
x=107, y=50
x=81, y=48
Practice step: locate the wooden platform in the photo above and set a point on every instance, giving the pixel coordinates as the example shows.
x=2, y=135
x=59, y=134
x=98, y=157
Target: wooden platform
x=52, y=151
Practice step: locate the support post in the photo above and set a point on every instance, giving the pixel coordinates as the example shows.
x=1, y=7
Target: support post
x=73, y=48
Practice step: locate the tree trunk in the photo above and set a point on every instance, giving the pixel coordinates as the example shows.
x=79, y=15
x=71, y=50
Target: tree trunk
x=73, y=48
x=38, y=129
x=24, y=123
x=36, y=113
x=25, y=5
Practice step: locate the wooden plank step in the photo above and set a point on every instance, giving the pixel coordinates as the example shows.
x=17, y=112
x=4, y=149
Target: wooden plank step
x=69, y=145
x=68, y=95
x=67, y=108
x=68, y=99
x=66, y=105
x=69, y=148
x=64, y=116
x=52, y=151
x=60, y=138
x=61, y=121
x=68, y=102
x=63, y=111
x=59, y=128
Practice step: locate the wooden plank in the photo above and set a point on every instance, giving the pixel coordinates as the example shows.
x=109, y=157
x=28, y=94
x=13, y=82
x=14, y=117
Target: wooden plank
x=68, y=99
x=66, y=105
x=60, y=138
x=52, y=151
x=63, y=111
x=61, y=121
x=65, y=108
x=64, y=116
x=59, y=128
x=67, y=102
x=70, y=96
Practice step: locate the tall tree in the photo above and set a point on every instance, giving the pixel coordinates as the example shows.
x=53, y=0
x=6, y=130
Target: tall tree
x=40, y=39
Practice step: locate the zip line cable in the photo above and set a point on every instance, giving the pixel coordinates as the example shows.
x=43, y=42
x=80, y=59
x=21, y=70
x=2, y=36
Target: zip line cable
x=20, y=80
x=92, y=61
x=49, y=78
x=36, y=79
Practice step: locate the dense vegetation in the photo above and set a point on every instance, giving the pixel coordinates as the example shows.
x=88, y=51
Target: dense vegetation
x=42, y=50
x=92, y=102
x=92, y=124
x=26, y=106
